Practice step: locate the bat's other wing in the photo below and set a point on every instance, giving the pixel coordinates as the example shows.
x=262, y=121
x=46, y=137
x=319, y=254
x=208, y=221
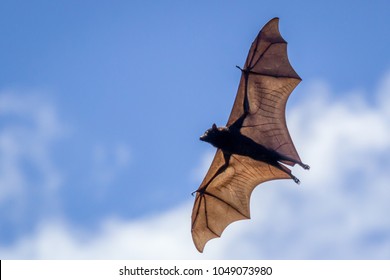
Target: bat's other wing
x=226, y=197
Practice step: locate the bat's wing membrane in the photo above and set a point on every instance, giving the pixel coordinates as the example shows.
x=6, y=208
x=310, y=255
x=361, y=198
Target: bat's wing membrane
x=227, y=196
x=269, y=81
x=224, y=195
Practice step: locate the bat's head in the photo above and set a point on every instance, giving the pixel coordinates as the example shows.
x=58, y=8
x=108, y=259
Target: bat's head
x=213, y=135
x=209, y=134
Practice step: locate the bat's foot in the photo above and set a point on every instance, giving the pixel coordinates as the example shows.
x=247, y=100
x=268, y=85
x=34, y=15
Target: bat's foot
x=296, y=180
x=305, y=166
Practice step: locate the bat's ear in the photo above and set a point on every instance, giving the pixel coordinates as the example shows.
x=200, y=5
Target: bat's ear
x=214, y=126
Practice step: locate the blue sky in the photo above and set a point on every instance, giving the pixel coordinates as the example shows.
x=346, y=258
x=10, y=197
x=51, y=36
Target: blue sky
x=102, y=105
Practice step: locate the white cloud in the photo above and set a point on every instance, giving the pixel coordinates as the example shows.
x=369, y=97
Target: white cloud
x=339, y=211
x=30, y=127
x=155, y=237
x=199, y=172
x=31, y=131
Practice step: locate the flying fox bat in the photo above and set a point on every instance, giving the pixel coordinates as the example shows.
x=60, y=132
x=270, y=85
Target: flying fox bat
x=255, y=145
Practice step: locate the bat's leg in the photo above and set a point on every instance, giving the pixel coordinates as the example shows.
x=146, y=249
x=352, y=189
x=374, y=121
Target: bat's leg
x=288, y=171
x=219, y=171
x=296, y=180
x=304, y=166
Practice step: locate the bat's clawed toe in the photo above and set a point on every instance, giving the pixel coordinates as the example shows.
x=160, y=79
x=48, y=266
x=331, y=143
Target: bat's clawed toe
x=296, y=180
x=305, y=166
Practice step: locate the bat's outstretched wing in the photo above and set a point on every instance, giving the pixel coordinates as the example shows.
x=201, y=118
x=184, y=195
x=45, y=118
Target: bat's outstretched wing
x=227, y=195
x=266, y=82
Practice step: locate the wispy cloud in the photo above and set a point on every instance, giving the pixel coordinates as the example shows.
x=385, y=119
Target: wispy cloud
x=109, y=161
x=339, y=211
x=30, y=126
x=32, y=178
